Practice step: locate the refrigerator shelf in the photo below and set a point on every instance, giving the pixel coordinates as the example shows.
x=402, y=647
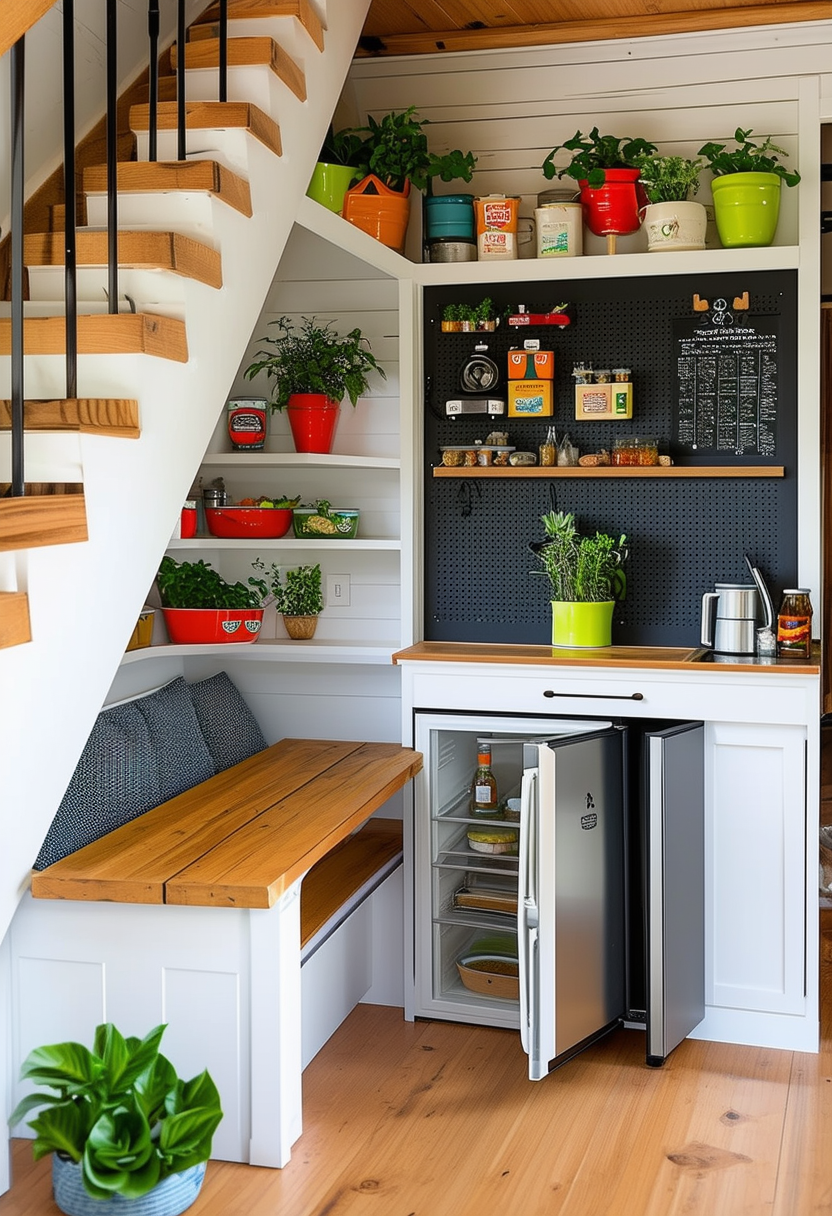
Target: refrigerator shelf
x=474, y=919
x=478, y=863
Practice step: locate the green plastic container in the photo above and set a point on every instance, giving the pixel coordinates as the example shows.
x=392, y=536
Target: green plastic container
x=339, y=523
x=582, y=625
x=746, y=208
x=329, y=184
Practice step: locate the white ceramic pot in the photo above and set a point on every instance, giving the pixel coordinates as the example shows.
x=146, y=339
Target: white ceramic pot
x=674, y=226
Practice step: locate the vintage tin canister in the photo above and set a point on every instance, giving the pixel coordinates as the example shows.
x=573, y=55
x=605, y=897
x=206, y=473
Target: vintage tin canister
x=247, y=422
x=496, y=216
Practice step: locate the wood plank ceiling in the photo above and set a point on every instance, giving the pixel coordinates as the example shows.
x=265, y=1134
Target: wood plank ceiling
x=420, y=27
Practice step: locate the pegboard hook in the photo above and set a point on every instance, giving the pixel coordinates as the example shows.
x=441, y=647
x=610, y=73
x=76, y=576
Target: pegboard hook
x=700, y=305
x=741, y=302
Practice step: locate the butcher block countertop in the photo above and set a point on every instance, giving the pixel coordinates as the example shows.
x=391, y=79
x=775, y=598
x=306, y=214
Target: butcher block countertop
x=241, y=838
x=667, y=658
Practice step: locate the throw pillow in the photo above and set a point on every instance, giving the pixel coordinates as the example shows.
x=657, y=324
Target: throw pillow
x=228, y=725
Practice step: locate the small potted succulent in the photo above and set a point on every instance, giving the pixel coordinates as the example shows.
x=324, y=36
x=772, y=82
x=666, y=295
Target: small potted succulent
x=747, y=184
x=586, y=577
x=199, y=606
x=299, y=599
x=606, y=168
x=394, y=157
x=672, y=220
x=125, y=1133
x=312, y=368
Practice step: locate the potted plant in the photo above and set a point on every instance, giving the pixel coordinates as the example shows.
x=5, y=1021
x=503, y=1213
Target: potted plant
x=606, y=168
x=336, y=169
x=452, y=318
x=672, y=221
x=312, y=368
x=299, y=599
x=200, y=606
x=125, y=1133
x=746, y=187
x=586, y=578
x=394, y=157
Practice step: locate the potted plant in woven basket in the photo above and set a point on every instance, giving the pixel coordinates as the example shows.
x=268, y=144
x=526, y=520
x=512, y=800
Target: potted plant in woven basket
x=746, y=187
x=312, y=368
x=586, y=577
x=125, y=1133
x=299, y=599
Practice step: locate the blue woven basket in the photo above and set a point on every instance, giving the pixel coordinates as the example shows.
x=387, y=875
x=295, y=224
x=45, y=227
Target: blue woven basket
x=170, y=1197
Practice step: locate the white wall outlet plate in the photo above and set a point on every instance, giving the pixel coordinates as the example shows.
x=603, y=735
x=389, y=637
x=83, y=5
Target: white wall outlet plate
x=337, y=591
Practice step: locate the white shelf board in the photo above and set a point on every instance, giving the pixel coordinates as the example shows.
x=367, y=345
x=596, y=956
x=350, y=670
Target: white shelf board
x=309, y=460
x=285, y=542
x=280, y=650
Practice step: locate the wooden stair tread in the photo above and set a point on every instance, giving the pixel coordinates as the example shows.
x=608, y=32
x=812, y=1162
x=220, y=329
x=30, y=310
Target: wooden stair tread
x=15, y=628
x=344, y=871
x=212, y=116
x=203, y=176
x=241, y=9
x=55, y=515
x=246, y=52
x=86, y=415
x=121, y=333
x=142, y=250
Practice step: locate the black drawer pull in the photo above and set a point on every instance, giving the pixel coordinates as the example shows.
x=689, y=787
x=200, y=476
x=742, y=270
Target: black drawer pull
x=597, y=696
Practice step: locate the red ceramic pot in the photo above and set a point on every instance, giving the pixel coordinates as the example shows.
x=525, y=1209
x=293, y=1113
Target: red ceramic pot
x=312, y=417
x=616, y=207
x=212, y=625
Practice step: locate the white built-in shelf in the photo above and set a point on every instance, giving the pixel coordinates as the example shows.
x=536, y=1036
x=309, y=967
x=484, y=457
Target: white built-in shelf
x=378, y=543
x=276, y=650
x=299, y=460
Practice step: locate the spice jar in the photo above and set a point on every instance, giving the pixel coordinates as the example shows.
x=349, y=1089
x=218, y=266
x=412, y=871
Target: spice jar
x=794, y=624
x=621, y=375
x=635, y=450
x=547, y=452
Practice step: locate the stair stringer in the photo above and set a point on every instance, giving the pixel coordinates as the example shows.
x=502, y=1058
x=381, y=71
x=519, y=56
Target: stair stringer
x=84, y=599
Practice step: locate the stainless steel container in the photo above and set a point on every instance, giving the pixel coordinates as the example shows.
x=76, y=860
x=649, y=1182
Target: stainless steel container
x=451, y=251
x=730, y=618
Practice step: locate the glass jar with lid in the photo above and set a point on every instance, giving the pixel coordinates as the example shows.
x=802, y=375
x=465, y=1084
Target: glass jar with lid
x=794, y=624
x=635, y=450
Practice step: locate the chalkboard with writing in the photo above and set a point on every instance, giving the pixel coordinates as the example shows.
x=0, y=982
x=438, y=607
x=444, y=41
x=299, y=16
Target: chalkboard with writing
x=727, y=385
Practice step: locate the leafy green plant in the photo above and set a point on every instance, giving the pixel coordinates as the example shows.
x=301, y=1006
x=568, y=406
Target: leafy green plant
x=594, y=153
x=198, y=585
x=395, y=149
x=747, y=157
x=315, y=358
x=484, y=311
x=453, y=312
x=300, y=594
x=119, y=1111
x=341, y=148
x=581, y=569
x=669, y=179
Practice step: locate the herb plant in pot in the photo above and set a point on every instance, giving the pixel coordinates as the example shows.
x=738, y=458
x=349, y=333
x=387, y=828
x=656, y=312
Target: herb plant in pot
x=586, y=578
x=312, y=368
x=299, y=599
x=672, y=221
x=125, y=1133
x=746, y=187
x=336, y=169
x=199, y=606
x=606, y=168
x=394, y=158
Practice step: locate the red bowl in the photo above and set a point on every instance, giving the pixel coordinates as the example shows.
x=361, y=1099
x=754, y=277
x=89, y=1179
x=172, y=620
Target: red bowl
x=209, y=625
x=236, y=523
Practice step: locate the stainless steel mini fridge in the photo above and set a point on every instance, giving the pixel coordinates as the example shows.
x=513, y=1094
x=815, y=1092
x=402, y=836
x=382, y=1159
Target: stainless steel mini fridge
x=589, y=913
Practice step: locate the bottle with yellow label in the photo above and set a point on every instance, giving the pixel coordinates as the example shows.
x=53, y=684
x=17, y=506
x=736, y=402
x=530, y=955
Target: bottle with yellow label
x=794, y=624
x=484, y=785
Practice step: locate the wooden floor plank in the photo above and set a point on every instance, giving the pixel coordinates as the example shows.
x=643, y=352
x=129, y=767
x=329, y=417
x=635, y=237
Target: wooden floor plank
x=121, y=333
x=114, y=416
x=210, y=116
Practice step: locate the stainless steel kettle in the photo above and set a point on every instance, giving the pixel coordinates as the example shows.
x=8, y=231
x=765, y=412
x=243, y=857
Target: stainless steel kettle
x=731, y=614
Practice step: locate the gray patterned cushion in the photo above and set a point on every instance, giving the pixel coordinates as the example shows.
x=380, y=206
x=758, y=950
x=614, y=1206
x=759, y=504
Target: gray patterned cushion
x=230, y=728
x=181, y=755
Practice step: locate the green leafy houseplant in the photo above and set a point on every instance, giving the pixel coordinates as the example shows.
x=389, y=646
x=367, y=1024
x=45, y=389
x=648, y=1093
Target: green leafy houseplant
x=747, y=157
x=586, y=569
x=314, y=358
x=119, y=1111
x=594, y=153
x=395, y=149
x=198, y=585
x=341, y=148
x=669, y=179
x=300, y=594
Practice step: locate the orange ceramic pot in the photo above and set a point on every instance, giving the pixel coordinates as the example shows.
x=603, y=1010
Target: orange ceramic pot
x=379, y=211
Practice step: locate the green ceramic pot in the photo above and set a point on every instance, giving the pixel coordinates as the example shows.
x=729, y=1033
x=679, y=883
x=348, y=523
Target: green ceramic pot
x=746, y=208
x=329, y=184
x=582, y=625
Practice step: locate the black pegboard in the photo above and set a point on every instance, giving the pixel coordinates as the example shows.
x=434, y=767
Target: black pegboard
x=685, y=534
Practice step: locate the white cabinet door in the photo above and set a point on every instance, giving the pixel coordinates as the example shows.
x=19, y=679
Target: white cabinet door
x=755, y=892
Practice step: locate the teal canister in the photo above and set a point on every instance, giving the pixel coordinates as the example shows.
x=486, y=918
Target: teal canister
x=449, y=217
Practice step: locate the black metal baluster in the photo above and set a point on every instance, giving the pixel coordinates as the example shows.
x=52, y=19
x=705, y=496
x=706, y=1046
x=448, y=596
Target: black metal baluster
x=223, y=50
x=112, y=156
x=180, y=80
x=70, y=277
x=153, y=35
x=17, y=77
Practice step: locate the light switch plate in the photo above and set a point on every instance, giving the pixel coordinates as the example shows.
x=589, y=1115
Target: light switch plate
x=338, y=590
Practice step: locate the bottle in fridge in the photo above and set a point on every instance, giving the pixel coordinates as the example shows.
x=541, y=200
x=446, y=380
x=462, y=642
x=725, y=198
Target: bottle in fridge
x=577, y=906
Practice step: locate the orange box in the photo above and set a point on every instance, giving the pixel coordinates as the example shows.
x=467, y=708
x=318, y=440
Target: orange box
x=531, y=365
x=530, y=398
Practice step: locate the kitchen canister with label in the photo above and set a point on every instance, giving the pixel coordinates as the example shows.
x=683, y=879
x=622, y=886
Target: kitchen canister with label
x=247, y=423
x=496, y=216
x=560, y=231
